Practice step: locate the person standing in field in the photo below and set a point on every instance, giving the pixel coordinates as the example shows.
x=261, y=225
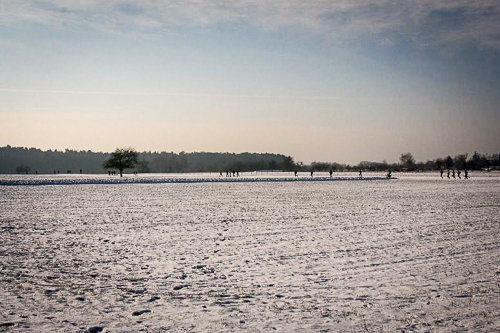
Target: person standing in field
x=441, y=171
x=295, y=173
x=448, y=175
x=453, y=174
x=466, y=174
x=331, y=173
x=360, y=173
x=312, y=172
x=389, y=174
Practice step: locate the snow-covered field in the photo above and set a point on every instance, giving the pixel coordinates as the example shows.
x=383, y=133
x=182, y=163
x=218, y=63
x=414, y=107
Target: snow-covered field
x=248, y=177
x=416, y=253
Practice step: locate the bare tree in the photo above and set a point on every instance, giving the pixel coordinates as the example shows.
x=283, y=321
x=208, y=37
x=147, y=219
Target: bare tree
x=122, y=158
x=460, y=161
x=449, y=162
x=407, y=161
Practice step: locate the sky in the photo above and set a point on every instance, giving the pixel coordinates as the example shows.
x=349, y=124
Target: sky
x=344, y=81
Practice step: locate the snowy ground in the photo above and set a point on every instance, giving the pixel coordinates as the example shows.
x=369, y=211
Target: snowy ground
x=152, y=178
x=415, y=254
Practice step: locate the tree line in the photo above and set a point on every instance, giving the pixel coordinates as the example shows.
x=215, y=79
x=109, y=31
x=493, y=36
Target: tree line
x=407, y=162
x=32, y=160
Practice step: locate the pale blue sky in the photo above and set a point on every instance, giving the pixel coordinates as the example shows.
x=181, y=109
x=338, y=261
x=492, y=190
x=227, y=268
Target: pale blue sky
x=319, y=80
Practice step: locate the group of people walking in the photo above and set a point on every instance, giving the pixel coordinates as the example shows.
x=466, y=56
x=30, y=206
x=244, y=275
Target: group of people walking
x=459, y=174
x=389, y=174
x=232, y=173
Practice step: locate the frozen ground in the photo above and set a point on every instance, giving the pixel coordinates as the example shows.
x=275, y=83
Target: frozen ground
x=415, y=254
x=247, y=177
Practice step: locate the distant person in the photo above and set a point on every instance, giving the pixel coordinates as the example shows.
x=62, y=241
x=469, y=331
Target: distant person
x=466, y=174
x=389, y=174
x=295, y=173
x=441, y=171
x=331, y=173
x=220, y=174
x=458, y=174
x=312, y=172
x=361, y=173
x=453, y=174
x=448, y=174
x=81, y=171
x=227, y=173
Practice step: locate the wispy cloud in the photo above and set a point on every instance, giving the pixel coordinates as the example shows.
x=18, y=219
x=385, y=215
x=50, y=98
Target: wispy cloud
x=166, y=94
x=424, y=22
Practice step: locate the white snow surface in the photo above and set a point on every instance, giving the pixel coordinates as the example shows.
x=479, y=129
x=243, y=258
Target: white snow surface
x=247, y=177
x=418, y=253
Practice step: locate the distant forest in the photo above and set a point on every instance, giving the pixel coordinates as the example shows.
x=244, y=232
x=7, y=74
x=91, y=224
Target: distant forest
x=31, y=160
x=407, y=163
